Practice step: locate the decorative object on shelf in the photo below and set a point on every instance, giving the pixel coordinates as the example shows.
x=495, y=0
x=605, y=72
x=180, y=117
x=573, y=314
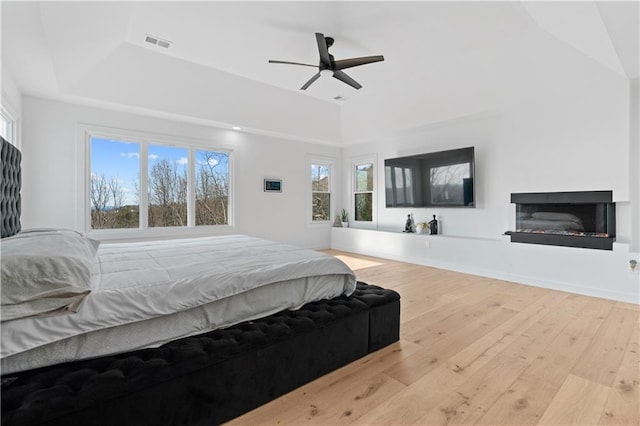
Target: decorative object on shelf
x=273, y=185
x=344, y=218
x=409, y=225
x=632, y=264
x=422, y=228
x=433, y=226
x=336, y=222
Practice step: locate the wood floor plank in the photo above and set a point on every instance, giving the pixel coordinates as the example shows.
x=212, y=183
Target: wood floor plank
x=521, y=296
x=607, y=348
x=519, y=356
x=530, y=343
x=529, y=396
x=415, y=401
x=471, y=400
x=347, y=404
x=477, y=354
x=444, y=341
x=448, y=316
x=623, y=405
x=578, y=402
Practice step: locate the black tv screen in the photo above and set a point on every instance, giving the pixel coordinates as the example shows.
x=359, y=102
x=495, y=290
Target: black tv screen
x=434, y=179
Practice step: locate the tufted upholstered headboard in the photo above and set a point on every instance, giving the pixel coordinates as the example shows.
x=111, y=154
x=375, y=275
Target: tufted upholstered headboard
x=11, y=184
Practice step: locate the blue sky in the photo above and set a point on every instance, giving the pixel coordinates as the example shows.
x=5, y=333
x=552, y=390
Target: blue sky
x=122, y=160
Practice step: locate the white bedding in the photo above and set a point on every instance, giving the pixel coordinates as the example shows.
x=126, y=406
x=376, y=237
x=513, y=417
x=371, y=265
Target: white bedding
x=145, y=294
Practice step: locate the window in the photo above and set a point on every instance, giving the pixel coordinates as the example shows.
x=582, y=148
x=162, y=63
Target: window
x=363, y=192
x=183, y=186
x=320, y=192
x=167, y=186
x=114, y=191
x=212, y=188
x=7, y=126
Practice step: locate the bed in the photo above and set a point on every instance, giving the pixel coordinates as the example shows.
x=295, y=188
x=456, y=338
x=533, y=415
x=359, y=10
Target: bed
x=175, y=349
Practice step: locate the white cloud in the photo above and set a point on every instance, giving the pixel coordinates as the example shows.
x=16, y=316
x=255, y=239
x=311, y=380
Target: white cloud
x=153, y=156
x=211, y=162
x=183, y=161
x=130, y=155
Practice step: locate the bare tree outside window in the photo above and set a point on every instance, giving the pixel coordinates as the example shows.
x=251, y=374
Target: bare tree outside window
x=167, y=194
x=212, y=188
x=320, y=192
x=114, y=201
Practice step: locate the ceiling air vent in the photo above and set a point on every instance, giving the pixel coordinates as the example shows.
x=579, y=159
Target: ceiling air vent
x=157, y=41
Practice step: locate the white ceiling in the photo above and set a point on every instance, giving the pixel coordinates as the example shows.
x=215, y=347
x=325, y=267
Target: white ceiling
x=49, y=48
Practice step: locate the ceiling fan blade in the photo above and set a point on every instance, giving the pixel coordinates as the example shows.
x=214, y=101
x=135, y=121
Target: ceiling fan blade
x=346, y=79
x=271, y=61
x=325, y=59
x=311, y=80
x=354, y=62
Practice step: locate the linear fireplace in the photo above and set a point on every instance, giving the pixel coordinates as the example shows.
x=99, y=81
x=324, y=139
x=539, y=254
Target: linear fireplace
x=583, y=219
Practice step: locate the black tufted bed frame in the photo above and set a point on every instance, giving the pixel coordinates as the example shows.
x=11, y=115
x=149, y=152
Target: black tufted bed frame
x=200, y=380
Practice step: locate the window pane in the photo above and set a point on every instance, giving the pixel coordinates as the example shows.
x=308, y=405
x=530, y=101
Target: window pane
x=364, y=177
x=321, y=206
x=167, y=186
x=364, y=206
x=320, y=177
x=115, y=184
x=212, y=188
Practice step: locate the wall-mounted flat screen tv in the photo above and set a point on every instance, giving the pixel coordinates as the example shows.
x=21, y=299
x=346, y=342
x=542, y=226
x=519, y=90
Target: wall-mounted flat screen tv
x=434, y=179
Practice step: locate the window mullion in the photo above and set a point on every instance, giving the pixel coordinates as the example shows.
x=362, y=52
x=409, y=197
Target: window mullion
x=144, y=182
x=191, y=189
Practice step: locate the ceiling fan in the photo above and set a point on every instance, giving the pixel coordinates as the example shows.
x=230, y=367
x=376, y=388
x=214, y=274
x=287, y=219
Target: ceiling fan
x=328, y=64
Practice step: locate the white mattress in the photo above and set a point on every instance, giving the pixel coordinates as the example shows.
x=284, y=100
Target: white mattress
x=146, y=294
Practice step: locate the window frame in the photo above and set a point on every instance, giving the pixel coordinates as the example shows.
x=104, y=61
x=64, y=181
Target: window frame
x=331, y=164
x=145, y=139
x=13, y=135
x=359, y=161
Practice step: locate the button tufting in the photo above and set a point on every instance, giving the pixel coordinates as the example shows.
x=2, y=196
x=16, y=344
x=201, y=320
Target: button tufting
x=76, y=384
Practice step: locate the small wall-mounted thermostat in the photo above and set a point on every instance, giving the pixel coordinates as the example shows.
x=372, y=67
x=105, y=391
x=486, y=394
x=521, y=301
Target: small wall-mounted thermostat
x=272, y=185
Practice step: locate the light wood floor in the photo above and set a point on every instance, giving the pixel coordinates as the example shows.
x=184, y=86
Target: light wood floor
x=475, y=350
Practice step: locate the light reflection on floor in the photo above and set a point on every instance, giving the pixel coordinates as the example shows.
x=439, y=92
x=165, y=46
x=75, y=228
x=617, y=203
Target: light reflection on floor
x=355, y=263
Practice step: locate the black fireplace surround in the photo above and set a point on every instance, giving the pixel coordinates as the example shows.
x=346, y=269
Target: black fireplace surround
x=583, y=219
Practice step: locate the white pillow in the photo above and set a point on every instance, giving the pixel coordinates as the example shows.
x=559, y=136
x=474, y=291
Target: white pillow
x=45, y=272
x=556, y=216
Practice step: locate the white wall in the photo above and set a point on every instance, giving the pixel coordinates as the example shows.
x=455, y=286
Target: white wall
x=51, y=162
x=543, y=117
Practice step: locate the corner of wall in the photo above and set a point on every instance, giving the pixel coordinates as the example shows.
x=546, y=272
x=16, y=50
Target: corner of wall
x=634, y=162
